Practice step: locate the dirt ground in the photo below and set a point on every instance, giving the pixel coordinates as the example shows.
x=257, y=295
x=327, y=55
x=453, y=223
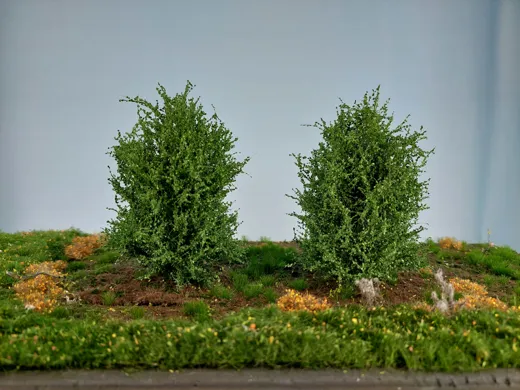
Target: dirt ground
x=161, y=299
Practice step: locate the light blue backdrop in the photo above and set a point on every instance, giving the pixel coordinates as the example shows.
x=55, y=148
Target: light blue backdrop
x=268, y=66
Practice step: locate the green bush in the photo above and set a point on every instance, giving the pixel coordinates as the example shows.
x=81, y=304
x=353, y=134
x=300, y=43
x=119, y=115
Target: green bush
x=175, y=169
x=506, y=254
x=56, y=248
x=268, y=259
x=103, y=269
x=361, y=195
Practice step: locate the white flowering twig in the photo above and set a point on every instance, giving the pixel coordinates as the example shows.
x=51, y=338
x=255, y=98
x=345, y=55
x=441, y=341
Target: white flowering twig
x=447, y=300
x=369, y=289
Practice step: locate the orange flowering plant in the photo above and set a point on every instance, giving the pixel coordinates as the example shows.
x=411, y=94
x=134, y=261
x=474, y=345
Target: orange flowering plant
x=475, y=296
x=450, y=243
x=82, y=247
x=40, y=289
x=295, y=301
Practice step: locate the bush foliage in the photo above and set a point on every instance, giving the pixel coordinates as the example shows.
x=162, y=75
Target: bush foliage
x=175, y=169
x=361, y=195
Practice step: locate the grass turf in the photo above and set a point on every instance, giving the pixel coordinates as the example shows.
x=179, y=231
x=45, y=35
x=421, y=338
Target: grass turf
x=233, y=324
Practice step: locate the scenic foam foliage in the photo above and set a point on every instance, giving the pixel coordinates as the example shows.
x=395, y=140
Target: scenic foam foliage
x=361, y=195
x=175, y=170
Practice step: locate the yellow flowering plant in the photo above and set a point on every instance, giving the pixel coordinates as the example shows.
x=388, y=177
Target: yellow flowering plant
x=295, y=301
x=450, y=243
x=40, y=288
x=475, y=296
x=82, y=247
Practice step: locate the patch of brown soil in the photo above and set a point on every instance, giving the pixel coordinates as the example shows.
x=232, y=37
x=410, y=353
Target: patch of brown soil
x=156, y=296
x=160, y=299
x=410, y=288
x=161, y=304
x=218, y=309
x=130, y=291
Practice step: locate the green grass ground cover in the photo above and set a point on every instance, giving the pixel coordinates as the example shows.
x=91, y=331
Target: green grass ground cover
x=346, y=338
x=235, y=324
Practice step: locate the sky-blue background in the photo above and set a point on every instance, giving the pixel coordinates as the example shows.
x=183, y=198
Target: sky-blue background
x=268, y=66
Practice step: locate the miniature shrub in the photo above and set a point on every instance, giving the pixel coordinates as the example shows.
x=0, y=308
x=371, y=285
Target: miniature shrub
x=108, y=257
x=361, y=195
x=103, y=268
x=494, y=262
x=137, y=312
x=426, y=272
x=268, y=280
x=268, y=259
x=174, y=172
x=253, y=290
x=506, y=254
x=56, y=248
